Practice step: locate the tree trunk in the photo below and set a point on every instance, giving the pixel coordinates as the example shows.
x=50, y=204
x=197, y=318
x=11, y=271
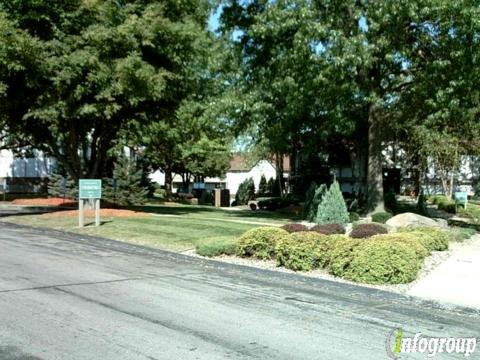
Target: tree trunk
x=168, y=181
x=279, y=168
x=375, y=169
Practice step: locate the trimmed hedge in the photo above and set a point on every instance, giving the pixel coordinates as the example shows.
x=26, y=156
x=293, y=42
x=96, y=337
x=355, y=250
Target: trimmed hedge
x=303, y=251
x=387, y=258
x=381, y=217
x=292, y=228
x=217, y=246
x=363, y=231
x=384, y=262
x=260, y=242
x=433, y=239
x=329, y=229
x=405, y=238
x=341, y=254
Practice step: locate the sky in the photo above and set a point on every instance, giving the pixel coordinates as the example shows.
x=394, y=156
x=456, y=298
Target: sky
x=213, y=22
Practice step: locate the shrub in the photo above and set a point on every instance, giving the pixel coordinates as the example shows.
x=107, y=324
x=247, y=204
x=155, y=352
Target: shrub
x=263, y=186
x=127, y=185
x=460, y=234
x=303, y=251
x=329, y=229
x=341, y=254
x=291, y=228
x=354, y=216
x=390, y=199
x=433, y=239
x=260, y=242
x=383, y=262
x=447, y=205
x=381, y=217
x=313, y=199
x=363, y=231
x=405, y=238
x=62, y=186
x=307, y=206
x=436, y=199
x=273, y=187
x=245, y=192
x=217, y=246
x=422, y=208
x=332, y=209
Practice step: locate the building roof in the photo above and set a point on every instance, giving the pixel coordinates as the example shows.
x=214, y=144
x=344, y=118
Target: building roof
x=239, y=162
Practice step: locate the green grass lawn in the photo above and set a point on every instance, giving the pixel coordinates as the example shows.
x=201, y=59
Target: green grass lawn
x=177, y=228
x=472, y=212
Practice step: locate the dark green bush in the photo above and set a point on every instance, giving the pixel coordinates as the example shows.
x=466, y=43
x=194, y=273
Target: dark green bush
x=446, y=205
x=245, y=192
x=62, y=186
x=127, y=185
x=436, y=199
x=332, y=209
x=354, y=216
x=383, y=262
x=303, y=251
x=390, y=199
x=381, y=217
x=329, y=229
x=291, y=228
x=341, y=254
x=313, y=198
x=217, y=246
x=422, y=208
x=434, y=239
x=260, y=242
x=263, y=186
x=363, y=231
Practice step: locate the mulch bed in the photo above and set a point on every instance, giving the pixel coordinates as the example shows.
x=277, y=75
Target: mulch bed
x=103, y=213
x=45, y=202
x=72, y=203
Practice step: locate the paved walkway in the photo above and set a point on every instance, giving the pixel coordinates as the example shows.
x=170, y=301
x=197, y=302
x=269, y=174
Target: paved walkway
x=455, y=281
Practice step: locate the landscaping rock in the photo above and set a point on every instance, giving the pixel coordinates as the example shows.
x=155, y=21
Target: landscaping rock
x=413, y=220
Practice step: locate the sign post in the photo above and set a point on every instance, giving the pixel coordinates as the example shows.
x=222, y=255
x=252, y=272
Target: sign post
x=89, y=189
x=461, y=198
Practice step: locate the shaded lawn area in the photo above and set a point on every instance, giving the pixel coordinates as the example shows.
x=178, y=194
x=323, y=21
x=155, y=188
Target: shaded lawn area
x=199, y=211
x=472, y=212
x=177, y=228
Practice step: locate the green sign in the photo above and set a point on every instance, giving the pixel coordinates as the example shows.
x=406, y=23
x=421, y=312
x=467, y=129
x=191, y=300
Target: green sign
x=461, y=196
x=90, y=189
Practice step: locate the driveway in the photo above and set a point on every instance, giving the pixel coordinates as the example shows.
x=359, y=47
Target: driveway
x=456, y=280
x=67, y=297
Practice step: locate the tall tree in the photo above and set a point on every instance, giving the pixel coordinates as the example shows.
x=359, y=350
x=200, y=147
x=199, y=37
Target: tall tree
x=102, y=65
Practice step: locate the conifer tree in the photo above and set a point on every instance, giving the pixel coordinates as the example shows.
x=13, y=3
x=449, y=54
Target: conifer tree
x=126, y=187
x=332, y=209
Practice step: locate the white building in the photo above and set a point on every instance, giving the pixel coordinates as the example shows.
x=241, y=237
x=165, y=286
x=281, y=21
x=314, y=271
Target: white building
x=239, y=171
x=24, y=174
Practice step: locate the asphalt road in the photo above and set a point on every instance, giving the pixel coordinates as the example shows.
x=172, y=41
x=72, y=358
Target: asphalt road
x=67, y=297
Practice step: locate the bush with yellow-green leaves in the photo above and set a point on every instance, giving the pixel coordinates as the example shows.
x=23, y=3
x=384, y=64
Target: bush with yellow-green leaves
x=390, y=258
x=377, y=261
x=304, y=251
x=260, y=242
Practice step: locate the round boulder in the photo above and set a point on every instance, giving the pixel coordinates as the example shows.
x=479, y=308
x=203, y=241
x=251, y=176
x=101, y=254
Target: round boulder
x=414, y=220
